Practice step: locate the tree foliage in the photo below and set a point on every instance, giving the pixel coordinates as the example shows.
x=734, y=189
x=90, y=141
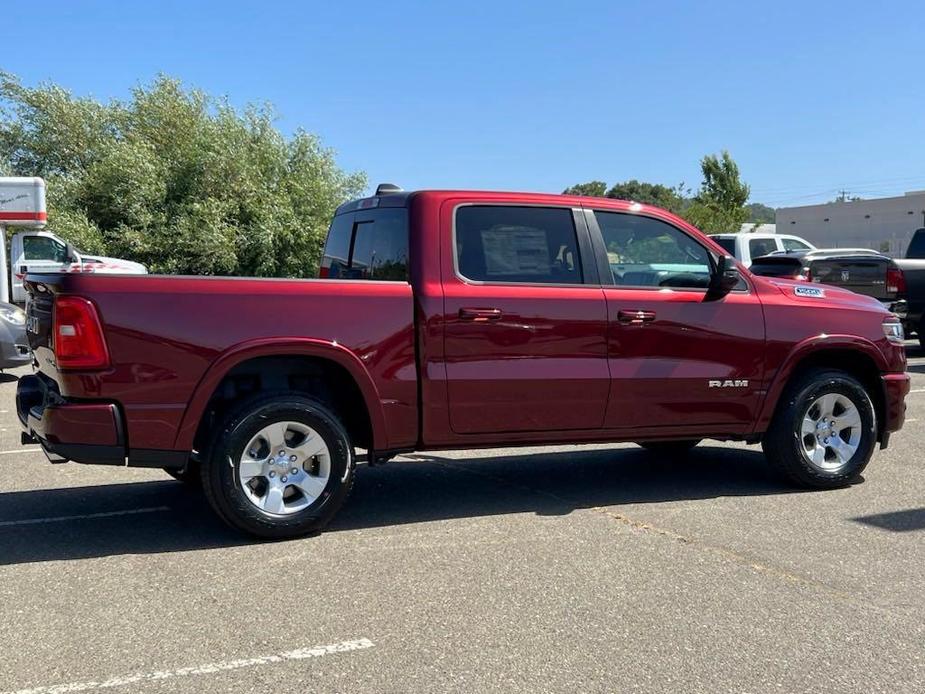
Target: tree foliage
x=760, y=214
x=649, y=194
x=637, y=191
x=175, y=179
x=594, y=189
x=718, y=206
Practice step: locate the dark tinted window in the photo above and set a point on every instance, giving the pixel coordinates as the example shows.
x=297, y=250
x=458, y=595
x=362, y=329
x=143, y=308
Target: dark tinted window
x=760, y=247
x=729, y=245
x=517, y=244
x=646, y=252
x=917, y=246
x=368, y=245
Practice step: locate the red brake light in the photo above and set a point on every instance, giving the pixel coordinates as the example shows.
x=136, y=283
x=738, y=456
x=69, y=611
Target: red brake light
x=78, y=338
x=895, y=281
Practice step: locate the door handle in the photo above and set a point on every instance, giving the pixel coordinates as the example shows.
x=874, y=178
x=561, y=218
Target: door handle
x=480, y=315
x=635, y=317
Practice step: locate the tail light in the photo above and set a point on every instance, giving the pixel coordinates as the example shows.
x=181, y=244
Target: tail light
x=895, y=281
x=78, y=336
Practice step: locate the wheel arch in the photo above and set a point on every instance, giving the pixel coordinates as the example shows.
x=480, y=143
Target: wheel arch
x=853, y=355
x=344, y=366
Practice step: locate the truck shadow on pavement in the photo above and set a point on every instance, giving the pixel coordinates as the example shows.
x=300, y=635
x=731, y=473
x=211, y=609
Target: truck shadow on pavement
x=897, y=521
x=416, y=489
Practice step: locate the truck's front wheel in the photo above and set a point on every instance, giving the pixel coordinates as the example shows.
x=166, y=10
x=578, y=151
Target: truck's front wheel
x=824, y=431
x=280, y=466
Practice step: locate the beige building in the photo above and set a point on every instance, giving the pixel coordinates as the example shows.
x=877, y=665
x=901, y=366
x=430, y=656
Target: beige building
x=883, y=224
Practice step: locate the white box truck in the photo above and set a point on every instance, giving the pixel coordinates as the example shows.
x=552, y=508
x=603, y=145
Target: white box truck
x=22, y=206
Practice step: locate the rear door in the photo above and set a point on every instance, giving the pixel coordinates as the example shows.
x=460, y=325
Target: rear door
x=524, y=320
x=760, y=247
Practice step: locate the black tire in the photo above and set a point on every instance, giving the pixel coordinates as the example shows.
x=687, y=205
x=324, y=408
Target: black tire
x=783, y=445
x=220, y=473
x=669, y=447
x=188, y=475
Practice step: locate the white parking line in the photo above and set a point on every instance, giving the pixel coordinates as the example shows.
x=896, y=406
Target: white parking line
x=917, y=390
x=21, y=450
x=86, y=516
x=207, y=669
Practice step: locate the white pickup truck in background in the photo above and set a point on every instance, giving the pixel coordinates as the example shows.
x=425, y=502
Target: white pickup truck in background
x=745, y=247
x=22, y=205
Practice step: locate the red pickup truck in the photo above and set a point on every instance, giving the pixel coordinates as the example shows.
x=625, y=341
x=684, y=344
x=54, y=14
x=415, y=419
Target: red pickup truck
x=454, y=319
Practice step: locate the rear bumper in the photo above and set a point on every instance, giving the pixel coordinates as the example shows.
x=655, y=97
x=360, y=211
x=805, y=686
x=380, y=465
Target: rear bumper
x=82, y=432
x=895, y=388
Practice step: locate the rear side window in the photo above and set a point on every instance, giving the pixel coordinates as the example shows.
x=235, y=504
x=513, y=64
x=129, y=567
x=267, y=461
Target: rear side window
x=367, y=245
x=535, y=245
x=729, y=245
x=760, y=247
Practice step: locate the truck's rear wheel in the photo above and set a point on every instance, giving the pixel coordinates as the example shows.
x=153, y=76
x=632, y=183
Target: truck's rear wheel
x=824, y=431
x=280, y=466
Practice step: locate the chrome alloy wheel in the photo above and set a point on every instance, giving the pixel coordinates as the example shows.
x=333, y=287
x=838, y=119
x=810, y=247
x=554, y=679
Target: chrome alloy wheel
x=284, y=468
x=830, y=433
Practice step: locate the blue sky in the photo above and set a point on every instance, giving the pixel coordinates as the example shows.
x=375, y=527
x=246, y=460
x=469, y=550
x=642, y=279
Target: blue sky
x=809, y=97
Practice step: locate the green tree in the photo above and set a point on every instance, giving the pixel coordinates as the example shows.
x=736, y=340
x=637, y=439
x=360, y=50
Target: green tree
x=637, y=191
x=719, y=205
x=175, y=179
x=594, y=189
x=760, y=214
x=649, y=194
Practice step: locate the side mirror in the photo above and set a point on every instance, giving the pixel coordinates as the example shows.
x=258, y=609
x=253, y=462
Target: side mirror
x=71, y=253
x=724, y=279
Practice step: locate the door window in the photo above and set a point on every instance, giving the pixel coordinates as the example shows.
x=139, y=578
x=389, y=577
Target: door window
x=43, y=248
x=794, y=245
x=760, y=247
x=646, y=252
x=535, y=245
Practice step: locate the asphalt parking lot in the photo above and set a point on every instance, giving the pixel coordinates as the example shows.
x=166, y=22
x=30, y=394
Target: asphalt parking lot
x=557, y=569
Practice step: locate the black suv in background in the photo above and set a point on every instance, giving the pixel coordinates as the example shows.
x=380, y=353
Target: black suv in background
x=913, y=270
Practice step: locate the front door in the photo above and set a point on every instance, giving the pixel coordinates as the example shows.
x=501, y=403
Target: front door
x=525, y=321
x=676, y=359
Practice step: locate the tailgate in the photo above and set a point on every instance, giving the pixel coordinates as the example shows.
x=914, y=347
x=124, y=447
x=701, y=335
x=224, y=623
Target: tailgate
x=39, y=318
x=863, y=275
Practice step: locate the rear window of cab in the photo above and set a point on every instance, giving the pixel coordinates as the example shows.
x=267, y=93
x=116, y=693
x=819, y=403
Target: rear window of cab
x=367, y=245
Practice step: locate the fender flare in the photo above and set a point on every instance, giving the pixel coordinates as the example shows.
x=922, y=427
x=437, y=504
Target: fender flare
x=280, y=347
x=807, y=347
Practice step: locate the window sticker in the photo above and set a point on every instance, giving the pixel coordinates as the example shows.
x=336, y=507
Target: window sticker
x=515, y=251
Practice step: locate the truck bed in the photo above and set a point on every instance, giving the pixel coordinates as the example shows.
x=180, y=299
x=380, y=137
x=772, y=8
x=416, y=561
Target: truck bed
x=167, y=336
